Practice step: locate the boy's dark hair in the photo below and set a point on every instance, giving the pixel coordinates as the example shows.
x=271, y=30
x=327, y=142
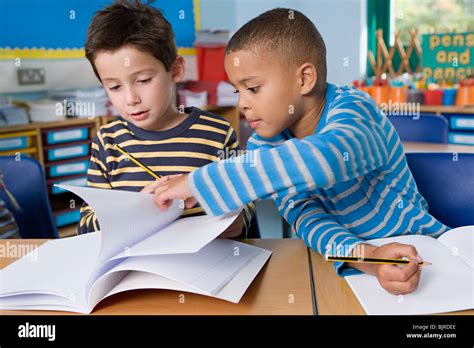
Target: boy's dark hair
x=284, y=33
x=131, y=23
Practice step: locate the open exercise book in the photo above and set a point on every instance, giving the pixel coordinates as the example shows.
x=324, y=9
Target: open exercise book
x=138, y=247
x=445, y=286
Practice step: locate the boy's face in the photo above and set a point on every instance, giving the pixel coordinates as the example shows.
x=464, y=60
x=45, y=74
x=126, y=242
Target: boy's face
x=269, y=93
x=139, y=86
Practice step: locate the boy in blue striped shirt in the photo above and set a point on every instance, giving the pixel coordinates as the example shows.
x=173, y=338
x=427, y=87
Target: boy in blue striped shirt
x=326, y=155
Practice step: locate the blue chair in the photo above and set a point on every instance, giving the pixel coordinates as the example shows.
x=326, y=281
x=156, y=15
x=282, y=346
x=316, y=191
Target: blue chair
x=446, y=184
x=427, y=128
x=25, y=179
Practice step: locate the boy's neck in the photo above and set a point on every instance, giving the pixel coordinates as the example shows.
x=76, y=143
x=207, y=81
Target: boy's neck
x=170, y=119
x=308, y=123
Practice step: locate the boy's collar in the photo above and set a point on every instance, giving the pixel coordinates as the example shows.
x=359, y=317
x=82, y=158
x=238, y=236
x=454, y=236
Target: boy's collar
x=143, y=134
x=330, y=95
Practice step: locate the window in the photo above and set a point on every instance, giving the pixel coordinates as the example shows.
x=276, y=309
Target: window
x=433, y=16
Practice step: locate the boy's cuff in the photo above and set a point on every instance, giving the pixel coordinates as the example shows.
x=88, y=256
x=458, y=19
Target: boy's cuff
x=342, y=268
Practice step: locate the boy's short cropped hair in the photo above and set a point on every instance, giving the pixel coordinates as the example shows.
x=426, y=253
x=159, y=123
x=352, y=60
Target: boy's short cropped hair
x=131, y=23
x=287, y=34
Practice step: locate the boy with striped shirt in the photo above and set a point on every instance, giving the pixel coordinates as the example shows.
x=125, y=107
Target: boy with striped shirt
x=132, y=51
x=327, y=155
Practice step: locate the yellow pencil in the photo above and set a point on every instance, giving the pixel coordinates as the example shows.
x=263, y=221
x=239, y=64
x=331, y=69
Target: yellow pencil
x=373, y=260
x=137, y=162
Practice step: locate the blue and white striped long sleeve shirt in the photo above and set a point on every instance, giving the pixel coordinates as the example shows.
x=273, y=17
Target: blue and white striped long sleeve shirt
x=347, y=183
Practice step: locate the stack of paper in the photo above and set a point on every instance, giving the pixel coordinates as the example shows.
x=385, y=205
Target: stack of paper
x=11, y=115
x=46, y=110
x=226, y=95
x=189, y=98
x=212, y=37
x=82, y=103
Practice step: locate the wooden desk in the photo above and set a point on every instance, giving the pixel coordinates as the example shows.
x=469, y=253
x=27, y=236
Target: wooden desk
x=282, y=287
x=433, y=147
x=333, y=294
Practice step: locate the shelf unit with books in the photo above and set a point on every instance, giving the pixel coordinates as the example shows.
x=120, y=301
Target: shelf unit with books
x=460, y=119
x=62, y=148
x=461, y=122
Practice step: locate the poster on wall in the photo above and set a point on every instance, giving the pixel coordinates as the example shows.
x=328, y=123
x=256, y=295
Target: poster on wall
x=448, y=56
x=56, y=29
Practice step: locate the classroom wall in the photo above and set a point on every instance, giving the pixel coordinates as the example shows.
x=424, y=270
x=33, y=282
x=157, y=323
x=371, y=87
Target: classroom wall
x=62, y=24
x=342, y=23
x=219, y=14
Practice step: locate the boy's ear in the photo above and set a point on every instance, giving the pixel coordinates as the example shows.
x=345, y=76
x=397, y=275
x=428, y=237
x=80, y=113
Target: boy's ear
x=308, y=78
x=177, y=69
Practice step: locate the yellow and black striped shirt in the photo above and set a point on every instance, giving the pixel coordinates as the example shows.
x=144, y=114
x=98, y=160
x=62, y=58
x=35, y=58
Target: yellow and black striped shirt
x=200, y=139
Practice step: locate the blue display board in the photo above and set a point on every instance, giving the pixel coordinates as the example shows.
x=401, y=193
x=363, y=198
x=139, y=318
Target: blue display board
x=62, y=24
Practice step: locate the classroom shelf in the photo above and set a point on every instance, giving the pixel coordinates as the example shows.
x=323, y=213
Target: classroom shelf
x=31, y=151
x=37, y=130
x=441, y=109
x=456, y=116
x=19, y=142
x=35, y=144
x=67, y=231
x=457, y=136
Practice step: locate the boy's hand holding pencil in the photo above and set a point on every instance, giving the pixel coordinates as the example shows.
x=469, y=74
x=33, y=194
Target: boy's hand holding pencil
x=393, y=278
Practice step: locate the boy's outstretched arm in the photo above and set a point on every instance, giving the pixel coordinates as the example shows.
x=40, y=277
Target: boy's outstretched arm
x=324, y=234
x=164, y=184
x=350, y=145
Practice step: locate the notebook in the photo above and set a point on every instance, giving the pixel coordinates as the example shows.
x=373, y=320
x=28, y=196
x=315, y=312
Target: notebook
x=445, y=286
x=138, y=247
